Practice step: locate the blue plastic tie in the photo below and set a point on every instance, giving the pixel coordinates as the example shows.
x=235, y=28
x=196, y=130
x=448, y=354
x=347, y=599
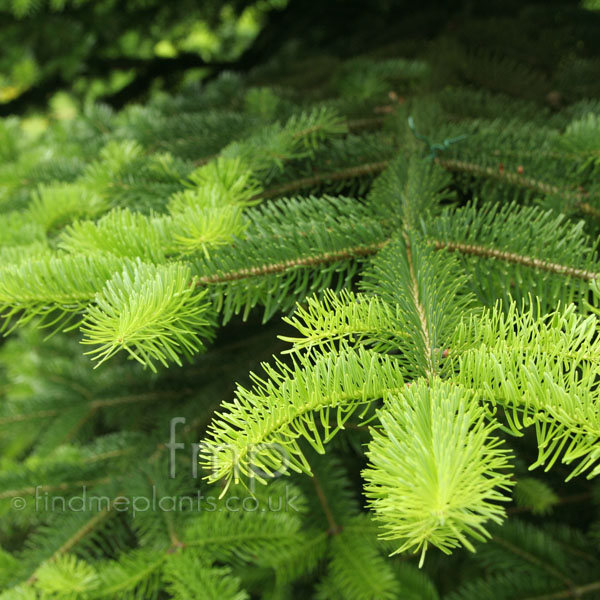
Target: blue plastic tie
x=434, y=148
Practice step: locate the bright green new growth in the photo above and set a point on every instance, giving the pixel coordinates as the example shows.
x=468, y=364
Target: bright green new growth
x=543, y=372
x=440, y=431
x=163, y=317
x=540, y=369
x=154, y=313
x=312, y=399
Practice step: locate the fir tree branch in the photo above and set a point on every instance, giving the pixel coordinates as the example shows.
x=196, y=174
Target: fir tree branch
x=308, y=261
x=534, y=560
x=424, y=327
x=82, y=532
x=334, y=528
x=582, y=497
x=516, y=179
x=309, y=182
x=588, y=209
x=580, y=198
x=292, y=403
x=514, y=258
x=97, y=405
x=94, y=406
x=60, y=487
x=100, y=517
x=40, y=414
x=168, y=520
x=108, y=455
x=573, y=592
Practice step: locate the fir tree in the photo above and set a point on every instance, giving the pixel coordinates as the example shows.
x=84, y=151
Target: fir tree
x=326, y=333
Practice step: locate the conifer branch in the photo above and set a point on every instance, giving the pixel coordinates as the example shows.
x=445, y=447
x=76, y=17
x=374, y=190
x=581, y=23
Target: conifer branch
x=40, y=414
x=293, y=403
x=310, y=182
x=534, y=560
x=97, y=405
x=573, y=499
x=334, y=528
x=572, y=592
x=82, y=532
x=59, y=487
x=515, y=258
x=307, y=261
x=93, y=406
x=579, y=198
x=424, y=326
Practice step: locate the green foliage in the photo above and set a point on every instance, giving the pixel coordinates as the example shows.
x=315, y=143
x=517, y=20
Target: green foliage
x=60, y=47
x=542, y=371
x=187, y=578
x=390, y=323
x=152, y=312
x=534, y=495
x=440, y=431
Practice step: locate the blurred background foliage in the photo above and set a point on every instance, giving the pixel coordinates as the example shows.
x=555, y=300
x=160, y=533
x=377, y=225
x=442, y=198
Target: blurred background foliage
x=68, y=54
x=61, y=59
x=74, y=51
